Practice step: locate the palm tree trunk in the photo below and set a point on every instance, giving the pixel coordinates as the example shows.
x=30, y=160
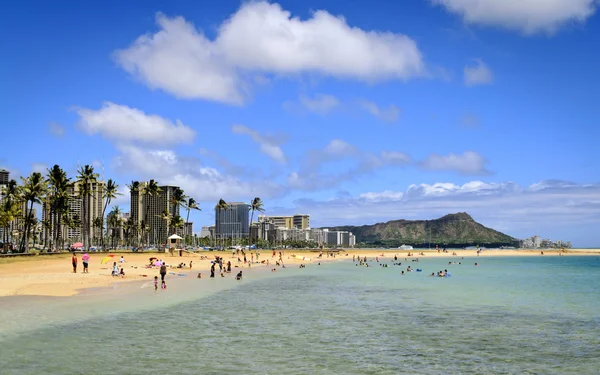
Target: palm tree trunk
x=249, y=231
x=28, y=223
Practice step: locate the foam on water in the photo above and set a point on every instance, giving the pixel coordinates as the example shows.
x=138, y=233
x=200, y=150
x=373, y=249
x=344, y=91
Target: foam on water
x=510, y=315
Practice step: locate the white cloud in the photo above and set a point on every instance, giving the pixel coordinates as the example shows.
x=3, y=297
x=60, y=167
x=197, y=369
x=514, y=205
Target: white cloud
x=126, y=124
x=395, y=157
x=448, y=189
x=268, y=145
x=520, y=211
x=56, y=129
x=199, y=181
x=389, y=114
x=478, y=74
x=387, y=195
x=263, y=38
x=469, y=163
x=320, y=104
x=338, y=147
x=526, y=16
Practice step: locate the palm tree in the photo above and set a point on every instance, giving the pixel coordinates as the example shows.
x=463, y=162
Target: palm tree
x=114, y=222
x=220, y=207
x=85, y=178
x=10, y=207
x=177, y=223
x=167, y=217
x=255, y=205
x=33, y=190
x=150, y=189
x=110, y=192
x=58, y=201
x=191, y=205
x=129, y=228
x=134, y=189
x=178, y=199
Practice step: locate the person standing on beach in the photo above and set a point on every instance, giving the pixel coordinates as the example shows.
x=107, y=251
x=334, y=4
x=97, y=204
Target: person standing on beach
x=74, y=262
x=85, y=261
x=163, y=272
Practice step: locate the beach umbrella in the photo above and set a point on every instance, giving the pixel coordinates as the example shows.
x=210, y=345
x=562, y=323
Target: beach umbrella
x=77, y=244
x=106, y=259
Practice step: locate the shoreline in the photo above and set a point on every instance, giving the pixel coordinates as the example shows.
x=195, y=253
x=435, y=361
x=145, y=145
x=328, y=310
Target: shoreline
x=52, y=275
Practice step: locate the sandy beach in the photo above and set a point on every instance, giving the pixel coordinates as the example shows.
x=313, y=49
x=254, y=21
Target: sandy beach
x=51, y=275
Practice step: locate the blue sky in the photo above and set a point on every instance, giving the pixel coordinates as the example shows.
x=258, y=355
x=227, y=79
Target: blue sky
x=353, y=112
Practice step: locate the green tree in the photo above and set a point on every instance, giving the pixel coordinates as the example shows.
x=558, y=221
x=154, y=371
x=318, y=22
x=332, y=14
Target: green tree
x=150, y=189
x=220, y=207
x=110, y=193
x=177, y=223
x=166, y=217
x=33, y=191
x=86, y=177
x=114, y=223
x=178, y=199
x=191, y=204
x=255, y=205
x=10, y=209
x=134, y=190
x=58, y=200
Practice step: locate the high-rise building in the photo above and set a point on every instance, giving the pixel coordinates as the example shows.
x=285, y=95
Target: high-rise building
x=149, y=210
x=232, y=222
x=4, y=176
x=189, y=229
x=298, y=221
x=206, y=231
x=301, y=221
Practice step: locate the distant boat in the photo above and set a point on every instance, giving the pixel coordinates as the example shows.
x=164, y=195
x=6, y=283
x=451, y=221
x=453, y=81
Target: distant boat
x=405, y=247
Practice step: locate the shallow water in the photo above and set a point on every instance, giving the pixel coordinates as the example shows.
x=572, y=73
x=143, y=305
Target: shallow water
x=525, y=315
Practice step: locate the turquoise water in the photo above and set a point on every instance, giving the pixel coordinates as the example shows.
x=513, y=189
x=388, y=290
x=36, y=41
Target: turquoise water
x=525, y=315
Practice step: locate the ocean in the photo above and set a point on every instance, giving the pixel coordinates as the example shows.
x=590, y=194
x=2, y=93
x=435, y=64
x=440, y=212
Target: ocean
x=509, y=315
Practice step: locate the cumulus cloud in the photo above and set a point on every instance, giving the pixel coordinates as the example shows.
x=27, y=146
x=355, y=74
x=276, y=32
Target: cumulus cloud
x=467, y=163
x=520, y=211
x=268, y=145
x=526, y=16
x=478, y=74
x=389, y=114
x=122, y=123
x=262, y=38
x=197, y=180
x=56, y=129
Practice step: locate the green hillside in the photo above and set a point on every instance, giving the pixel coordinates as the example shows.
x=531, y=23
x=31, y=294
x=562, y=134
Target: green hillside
x=453, y=230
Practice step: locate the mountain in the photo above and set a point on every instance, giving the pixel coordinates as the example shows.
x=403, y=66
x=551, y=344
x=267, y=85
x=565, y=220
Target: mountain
x=453, y=230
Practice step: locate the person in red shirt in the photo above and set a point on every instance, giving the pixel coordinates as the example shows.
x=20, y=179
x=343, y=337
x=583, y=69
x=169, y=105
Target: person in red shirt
x=74, y=261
